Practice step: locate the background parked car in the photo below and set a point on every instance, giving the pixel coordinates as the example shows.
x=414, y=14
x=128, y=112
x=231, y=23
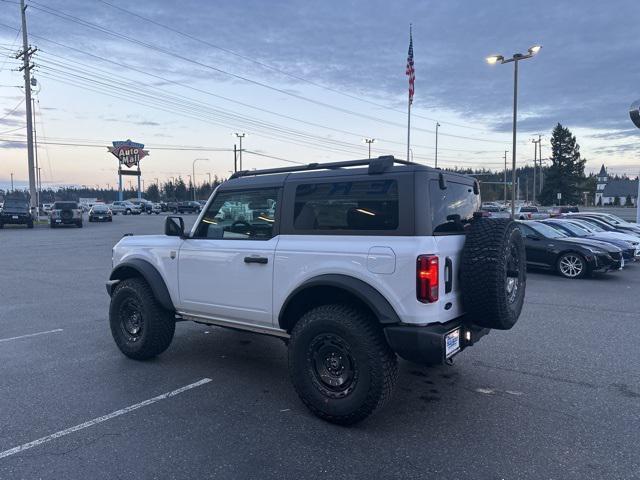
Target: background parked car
x=629, y=249
x=571, y=258
x=557, y=211
x=529, y=212
x=188, y=207
x=594, y=228
x=495, y=211
x=607, y=226
x=125, y=207
x=146, y=206
x=16, y=210
x=65, y=213
x=100, y=213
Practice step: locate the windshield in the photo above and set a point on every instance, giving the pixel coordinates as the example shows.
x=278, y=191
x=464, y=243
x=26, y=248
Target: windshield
x=13, y=203
x=65, y=205
x=576, y=230
x=613, y=219
x=546, y=230
x=591, y=226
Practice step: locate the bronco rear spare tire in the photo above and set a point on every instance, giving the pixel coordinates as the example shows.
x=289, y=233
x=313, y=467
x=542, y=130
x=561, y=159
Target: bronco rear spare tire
x=493, y=273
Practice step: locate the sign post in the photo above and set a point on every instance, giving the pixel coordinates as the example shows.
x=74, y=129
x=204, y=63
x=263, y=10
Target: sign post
x=129, y=155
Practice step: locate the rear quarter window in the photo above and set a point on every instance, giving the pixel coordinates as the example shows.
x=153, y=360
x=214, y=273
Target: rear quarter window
x=452, y=208
x=347, y=206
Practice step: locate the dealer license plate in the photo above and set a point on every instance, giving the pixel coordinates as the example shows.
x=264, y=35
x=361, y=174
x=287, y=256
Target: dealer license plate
x=100, y=218
x=15, y=217
x=452, y=342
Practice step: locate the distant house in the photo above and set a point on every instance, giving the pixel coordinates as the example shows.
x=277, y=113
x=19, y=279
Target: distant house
x=608, y=190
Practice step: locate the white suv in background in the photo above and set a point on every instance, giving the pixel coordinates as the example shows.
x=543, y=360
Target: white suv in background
x=350, y=263
x=125, y=207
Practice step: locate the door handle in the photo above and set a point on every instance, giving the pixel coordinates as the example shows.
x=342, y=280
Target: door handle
x=254, y=259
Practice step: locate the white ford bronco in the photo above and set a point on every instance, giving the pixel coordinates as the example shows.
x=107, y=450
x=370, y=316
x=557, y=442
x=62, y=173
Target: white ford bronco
x=351, y=263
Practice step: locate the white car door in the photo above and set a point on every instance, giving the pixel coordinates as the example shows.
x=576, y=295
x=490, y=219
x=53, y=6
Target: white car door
x=226, y=266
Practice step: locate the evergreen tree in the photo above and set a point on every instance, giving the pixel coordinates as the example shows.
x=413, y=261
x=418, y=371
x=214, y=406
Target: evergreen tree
x=628, y=202
x=616, y=201
x=566, y=173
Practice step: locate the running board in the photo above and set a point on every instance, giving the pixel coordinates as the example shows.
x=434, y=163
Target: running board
x=276, y=332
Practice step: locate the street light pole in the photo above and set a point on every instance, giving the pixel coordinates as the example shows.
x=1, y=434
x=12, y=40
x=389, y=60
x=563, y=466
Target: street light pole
x=505, y=176
x=240, y=136
x=194, y=174
x=437, y=126
x=515, y=59
x=369, y=141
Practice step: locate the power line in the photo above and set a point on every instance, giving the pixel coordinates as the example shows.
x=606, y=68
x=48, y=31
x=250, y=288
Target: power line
x=14, y=109
x=85, y=23
x=276, y=69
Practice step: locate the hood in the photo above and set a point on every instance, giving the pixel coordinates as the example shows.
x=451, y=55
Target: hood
x=607, y=247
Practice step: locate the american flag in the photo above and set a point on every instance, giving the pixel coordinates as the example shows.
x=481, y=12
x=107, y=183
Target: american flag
x=410, y=70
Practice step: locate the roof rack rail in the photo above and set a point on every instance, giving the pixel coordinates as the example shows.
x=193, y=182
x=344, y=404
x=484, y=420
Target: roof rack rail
x=376, y=166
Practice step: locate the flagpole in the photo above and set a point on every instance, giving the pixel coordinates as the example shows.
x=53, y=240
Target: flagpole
x=411, y=74
x=408, y=130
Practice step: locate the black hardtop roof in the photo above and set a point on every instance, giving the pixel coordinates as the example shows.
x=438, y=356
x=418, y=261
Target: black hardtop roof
x=373, y=166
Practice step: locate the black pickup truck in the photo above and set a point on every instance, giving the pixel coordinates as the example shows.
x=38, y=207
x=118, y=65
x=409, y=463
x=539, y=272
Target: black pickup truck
x=16, y=210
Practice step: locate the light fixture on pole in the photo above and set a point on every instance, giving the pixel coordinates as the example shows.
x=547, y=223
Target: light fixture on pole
x=437, y=127
x=492, y=60
x=369, y=141
x=240, y=136
x=194, y=173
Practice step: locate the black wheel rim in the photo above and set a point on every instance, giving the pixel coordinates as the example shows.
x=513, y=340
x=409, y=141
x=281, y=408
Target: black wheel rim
x=333, y=368
x=512, y=283
x=131, y=322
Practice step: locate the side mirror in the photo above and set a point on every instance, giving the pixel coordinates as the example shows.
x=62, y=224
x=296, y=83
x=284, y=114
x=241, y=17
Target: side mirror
x=174, y=227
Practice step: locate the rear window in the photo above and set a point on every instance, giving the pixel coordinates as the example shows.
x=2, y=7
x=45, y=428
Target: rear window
x=529, y=209
x=347, y=206
x=65, y=205
x=452, y=209
x=15, y=202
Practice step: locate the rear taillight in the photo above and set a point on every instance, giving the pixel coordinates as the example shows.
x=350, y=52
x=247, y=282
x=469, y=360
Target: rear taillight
x=427, y=273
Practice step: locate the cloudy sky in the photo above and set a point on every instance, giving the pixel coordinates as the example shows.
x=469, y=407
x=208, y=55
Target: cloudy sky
x=307, y=81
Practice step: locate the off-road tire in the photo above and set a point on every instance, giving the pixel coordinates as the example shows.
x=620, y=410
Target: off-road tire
x=493, y=260
x=374, y=363
x=157, y=325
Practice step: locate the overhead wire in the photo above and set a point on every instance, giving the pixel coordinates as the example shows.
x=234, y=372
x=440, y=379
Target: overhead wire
x=71, y=18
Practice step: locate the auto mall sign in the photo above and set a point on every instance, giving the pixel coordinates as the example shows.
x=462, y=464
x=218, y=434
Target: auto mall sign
x=129, y=153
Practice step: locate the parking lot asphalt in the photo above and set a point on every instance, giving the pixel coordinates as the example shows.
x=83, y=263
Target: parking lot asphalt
x=556, y=397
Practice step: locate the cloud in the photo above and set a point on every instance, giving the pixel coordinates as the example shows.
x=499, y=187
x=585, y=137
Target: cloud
x=585, y=75
x=12, y=145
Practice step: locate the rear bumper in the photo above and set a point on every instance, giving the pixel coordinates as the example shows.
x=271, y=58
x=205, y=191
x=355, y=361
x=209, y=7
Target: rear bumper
x=426, y=344
x=7, y=218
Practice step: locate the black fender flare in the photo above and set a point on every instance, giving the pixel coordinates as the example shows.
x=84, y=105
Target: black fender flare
x=147, y=271
x=367, y=294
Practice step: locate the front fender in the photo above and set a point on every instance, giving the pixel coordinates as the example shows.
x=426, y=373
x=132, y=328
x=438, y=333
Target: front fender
x=141, y=268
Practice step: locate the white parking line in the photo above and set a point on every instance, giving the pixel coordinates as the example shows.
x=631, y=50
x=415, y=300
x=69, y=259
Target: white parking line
x=104, y=418
x=30, y=335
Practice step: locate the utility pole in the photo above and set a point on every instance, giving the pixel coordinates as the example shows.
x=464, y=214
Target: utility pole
x=505, y=177
x=540, y=163
x=240, y=136
x=235, y=159
x=535, y=164
x=437, y=127
x=26, y=54
x=369, y=141
x=11, y=182
x=35, y=149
